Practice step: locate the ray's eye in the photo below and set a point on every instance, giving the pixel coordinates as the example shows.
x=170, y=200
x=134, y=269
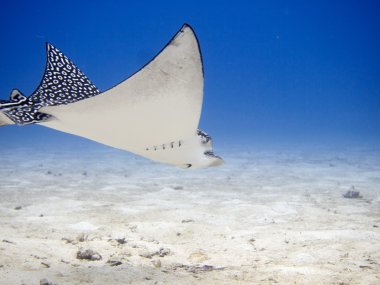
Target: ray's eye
x=188, y=165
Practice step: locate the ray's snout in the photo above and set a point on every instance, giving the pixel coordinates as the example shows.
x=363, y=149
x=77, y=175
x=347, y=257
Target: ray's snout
x=215, y=159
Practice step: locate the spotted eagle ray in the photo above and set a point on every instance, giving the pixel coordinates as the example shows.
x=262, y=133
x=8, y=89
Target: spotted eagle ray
x=154, y=113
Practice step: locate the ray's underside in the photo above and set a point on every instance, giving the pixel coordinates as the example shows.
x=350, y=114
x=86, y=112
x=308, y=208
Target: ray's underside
x=156, y=108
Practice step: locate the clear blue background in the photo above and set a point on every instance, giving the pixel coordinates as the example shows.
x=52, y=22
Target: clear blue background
x=275, y=71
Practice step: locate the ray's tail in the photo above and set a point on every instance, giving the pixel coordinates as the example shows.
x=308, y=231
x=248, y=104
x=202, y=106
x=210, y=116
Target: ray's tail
x=16, y=99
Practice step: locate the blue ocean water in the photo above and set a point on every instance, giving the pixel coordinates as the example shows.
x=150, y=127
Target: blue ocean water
x=292, y=101
x=276, y=72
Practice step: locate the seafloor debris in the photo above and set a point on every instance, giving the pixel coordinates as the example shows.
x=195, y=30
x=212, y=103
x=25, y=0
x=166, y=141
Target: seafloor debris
x=114, y=262
x=46, y=282
x=352, y=194
x=162, y=252
x=121, y=240
x=82, y=237
x=68, y=240
x=156, y=263
x=196, y=268
x=88, y=254
x=47, y=265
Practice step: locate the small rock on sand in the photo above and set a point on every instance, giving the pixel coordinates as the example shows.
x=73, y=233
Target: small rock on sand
x=114, y=262
x=162, y=252
x=196, y=268
x=68, y=240
x=46, y=282
x=156, y=263
x=45, y=264
x=352, y=194
x=88, y=254
x=121, y=240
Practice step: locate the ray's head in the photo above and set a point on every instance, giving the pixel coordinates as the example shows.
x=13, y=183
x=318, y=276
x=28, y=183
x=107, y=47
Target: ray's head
x=200, y=152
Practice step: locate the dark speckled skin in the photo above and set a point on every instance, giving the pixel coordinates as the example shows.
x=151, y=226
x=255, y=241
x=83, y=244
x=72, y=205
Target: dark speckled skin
x=63, y=83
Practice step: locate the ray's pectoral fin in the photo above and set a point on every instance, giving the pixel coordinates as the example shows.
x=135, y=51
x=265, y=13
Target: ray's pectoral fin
x=18, y=107
x=62, y=83
x=153, y=113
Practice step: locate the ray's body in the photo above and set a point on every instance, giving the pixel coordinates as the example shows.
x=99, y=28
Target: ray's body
x=154, y=113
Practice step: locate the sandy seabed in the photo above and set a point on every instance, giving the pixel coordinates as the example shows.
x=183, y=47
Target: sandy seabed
x=265, y=217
